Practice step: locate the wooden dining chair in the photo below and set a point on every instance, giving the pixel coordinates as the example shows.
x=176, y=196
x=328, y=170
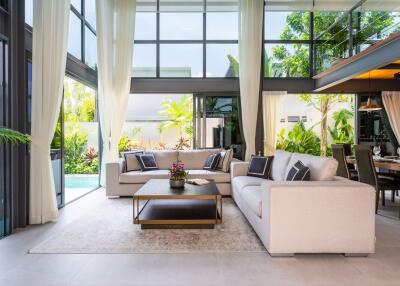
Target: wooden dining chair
x=339, y=153
x=367, y=174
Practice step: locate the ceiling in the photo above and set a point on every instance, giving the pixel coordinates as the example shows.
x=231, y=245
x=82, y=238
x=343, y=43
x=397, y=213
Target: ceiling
x=386, y=72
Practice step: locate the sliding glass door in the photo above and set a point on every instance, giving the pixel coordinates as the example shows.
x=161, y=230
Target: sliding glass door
x=217, y=122
x=75, y=146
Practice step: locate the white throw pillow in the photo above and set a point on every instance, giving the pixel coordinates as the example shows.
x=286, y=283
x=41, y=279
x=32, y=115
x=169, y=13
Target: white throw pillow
x=321, y=168
x=225, y=160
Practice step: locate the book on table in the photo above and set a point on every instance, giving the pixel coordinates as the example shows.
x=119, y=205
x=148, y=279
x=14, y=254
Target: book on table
x=198, y=182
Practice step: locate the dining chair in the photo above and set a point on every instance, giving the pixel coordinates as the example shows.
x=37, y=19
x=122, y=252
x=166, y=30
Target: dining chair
x=338, y=152
x=367, y=174
x=352, y=169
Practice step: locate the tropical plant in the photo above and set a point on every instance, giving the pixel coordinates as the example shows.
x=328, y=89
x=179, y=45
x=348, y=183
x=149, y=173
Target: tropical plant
x=179, y=115
x=299, y=140
x=323, y=103
x=12, y=136
x=123, y=144
x=56, y=142
x=342, y=131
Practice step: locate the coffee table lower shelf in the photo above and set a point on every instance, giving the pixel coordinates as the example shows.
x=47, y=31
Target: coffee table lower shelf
x=179, y=213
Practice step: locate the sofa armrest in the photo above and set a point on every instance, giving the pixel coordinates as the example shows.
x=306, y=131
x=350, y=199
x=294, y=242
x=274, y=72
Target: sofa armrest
x=340, y=210
x=239, y=169
x=113, y=170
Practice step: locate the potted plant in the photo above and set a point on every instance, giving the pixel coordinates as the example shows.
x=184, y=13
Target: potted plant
x=178, y=175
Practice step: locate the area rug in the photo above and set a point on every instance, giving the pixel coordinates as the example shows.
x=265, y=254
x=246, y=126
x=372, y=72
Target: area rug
x=109, y=229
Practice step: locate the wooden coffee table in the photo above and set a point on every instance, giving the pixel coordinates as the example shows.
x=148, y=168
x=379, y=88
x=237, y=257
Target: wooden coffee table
x=165, y=207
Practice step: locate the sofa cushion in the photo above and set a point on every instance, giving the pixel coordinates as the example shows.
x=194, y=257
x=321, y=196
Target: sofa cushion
x=260, y=166
x=279, y=165
x=321, y=168
x=147, y=162
x=165, y=158
x=139, y=177
x=194, y=159
x=298, y=172
x=224, y=162
x=243, y=181
x=252, y=196
x=130, y=161
x=212, y=162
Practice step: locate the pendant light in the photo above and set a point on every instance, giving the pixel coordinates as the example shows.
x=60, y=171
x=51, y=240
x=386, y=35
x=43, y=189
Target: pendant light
x=371, y=105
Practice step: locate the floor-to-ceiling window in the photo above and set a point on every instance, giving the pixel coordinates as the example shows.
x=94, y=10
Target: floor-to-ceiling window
x=186, y=39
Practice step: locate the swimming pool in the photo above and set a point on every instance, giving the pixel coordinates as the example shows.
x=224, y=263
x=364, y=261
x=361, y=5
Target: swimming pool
x=81, y=181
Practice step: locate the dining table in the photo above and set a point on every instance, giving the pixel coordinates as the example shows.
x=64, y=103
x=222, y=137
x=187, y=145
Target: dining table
x=388, y=163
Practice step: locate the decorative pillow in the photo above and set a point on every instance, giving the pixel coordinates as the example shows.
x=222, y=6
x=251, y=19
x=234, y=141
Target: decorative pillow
x=260, y=166
x=212, y=162
x=298, y=172
x=224, y=162
x=130, y=161
x=147, y=162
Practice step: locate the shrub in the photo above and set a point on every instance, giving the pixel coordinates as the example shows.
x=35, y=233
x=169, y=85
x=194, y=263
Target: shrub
x=299, y=140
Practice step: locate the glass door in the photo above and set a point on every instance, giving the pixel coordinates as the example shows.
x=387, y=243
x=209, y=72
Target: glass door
x=4, y=158
x=75, y=147
x=217, y=122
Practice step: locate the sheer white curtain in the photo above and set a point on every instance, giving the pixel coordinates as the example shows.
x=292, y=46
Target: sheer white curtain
x=49, y=53
x=271, y=101
x=250, y=55
x=115, y=29
x=391, y=101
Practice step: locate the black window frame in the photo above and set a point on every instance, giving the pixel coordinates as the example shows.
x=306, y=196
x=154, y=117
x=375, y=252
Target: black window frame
x=204, y=41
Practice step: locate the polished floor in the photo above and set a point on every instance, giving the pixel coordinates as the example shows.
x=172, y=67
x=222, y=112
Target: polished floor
x=19, y=268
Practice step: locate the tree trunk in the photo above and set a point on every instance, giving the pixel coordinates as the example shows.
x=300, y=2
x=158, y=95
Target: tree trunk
x=324, y=125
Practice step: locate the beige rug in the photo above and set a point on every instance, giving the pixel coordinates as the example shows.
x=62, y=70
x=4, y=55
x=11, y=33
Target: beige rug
x=109, y=229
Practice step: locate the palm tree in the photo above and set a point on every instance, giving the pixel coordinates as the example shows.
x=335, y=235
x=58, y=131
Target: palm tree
x=179, y=114
x=12, y=136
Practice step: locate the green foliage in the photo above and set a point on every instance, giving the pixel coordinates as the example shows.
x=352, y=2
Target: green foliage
x=123, y=144
x=56, y=142
x=343, y=131
x=296, y=61
x=299, y=140
x=179, y=114
x=12, y=136
x=76, y=156
x=233, y=70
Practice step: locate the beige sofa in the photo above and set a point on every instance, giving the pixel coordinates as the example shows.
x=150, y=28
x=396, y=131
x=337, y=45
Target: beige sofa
x=119, y=183
x=326, y=215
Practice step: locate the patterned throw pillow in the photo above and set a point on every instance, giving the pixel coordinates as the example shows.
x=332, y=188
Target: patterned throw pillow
x=298, y=172
x=212, y=162
x=147, y=162
x=260, y=166
x=224, y=162
x=130, y=161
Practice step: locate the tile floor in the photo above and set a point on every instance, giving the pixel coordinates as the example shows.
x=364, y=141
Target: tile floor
x=19, y=268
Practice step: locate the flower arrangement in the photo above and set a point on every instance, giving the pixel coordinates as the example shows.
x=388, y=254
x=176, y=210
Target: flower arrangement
x=177, y=171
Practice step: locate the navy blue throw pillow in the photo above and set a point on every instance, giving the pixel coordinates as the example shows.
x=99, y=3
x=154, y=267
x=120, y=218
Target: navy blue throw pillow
x=147, y=162
x=212, y=162
x=299, y=172
x=260, y=166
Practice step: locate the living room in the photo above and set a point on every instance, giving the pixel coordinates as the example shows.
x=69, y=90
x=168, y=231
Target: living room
x=204, y=142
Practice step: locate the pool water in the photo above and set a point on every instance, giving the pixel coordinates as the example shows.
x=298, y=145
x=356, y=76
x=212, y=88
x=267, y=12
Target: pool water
x=81, y=181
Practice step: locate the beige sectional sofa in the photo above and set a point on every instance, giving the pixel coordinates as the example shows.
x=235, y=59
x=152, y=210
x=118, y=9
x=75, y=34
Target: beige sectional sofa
x=120, y=183
x=326, y=215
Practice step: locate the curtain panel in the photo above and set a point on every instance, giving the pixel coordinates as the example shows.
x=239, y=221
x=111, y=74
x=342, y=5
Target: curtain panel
x=391, y=101
x=49, y=55
x=115, y=30
x=250, y=56
x=271, y=101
